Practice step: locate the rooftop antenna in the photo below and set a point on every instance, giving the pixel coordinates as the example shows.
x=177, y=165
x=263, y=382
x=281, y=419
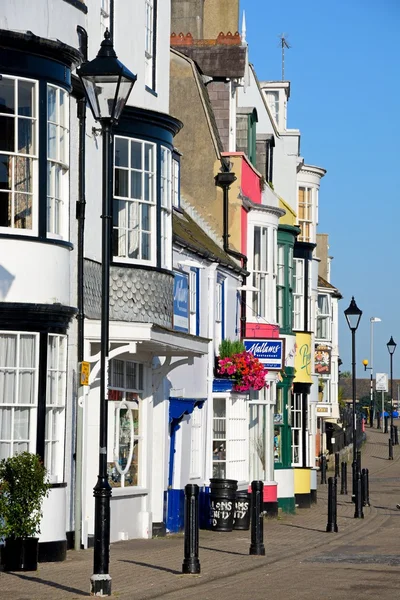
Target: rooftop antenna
x=283, y=44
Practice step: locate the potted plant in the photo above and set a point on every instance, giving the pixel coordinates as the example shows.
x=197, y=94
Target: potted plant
x=23, y=486
x=247, y=372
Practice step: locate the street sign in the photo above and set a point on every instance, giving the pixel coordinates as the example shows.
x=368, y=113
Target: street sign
x=85, y=372
x=381, y=382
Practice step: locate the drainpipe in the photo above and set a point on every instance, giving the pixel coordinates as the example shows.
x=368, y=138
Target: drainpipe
x=224, y=180
x=80, y=215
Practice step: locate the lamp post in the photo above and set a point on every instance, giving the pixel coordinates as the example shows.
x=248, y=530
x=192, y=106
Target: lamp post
x=107, y=84
x=353, y=316
x=391, y=346
x=371, y=368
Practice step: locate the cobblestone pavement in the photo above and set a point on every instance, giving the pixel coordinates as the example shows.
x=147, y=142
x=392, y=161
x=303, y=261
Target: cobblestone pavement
x=302, y=561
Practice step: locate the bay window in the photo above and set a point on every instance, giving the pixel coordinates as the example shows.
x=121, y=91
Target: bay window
x=166, y=208
x=176, y=200
x=298, y=294
x=194, y=324
x=323, y=317
x=134, y=220
x=280, y=285
x=305, y=214
x=18, y=153
x=55, y=406
x=260, y=270
x=19, y=365
x=125, y=427
x=57, y=160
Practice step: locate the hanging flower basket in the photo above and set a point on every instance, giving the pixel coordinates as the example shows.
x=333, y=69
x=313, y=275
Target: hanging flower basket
x=246, y=371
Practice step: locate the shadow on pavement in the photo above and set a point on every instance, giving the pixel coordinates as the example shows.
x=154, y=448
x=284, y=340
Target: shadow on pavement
x=301, y=527
x=59, y=586
x=155, y=567
x=223, y=551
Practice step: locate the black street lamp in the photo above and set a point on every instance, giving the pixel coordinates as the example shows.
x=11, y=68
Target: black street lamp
x=391, y=346
x=107, y=83
x=353, y=316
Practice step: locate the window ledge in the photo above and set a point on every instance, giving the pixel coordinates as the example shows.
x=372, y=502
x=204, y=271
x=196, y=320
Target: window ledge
x=78, y=4
x=129, y=492
x=151, y=91
x=40, y=240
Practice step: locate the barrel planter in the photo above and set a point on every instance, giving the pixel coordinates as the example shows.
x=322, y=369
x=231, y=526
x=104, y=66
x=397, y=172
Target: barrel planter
x=222, y=504
x=20, y=554
x=241, y=517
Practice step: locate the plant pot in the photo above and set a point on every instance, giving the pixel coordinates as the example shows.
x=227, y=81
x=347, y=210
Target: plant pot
x=21, y=554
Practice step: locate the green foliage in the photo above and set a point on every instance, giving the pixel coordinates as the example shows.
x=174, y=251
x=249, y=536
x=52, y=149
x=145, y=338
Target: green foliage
x=228, y=348
x=23, y=487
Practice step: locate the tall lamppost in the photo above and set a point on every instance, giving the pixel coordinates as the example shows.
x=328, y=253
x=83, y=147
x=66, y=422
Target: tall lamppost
x=353, y=316
x=391, y=346
x=107, y=84
x=371, y=368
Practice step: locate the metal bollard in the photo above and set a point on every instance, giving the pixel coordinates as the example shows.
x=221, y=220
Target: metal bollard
x=359, y=461
x=392, y=434
x=337, y=459
x=386, y=424
x=365, y=487
x=257, y=525
x=191, y=563
x=323, y=468
x=353, y=480
x=358, y=513
x=378, y=421
x=332, y=505
x=396, y=436
x=343, y=484
x=390, y=449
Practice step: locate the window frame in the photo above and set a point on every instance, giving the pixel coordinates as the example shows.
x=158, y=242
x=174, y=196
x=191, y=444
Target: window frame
x=60, y=165
x=33, y=406
x=305, y=212
x=165, y=237
x=260, y=275
x=324, y=317
x=34, y=158
x=150, y=43
x=194, y=301
x=298, y=294
x=296, y=410
x=115, y=405
x=51, y=408
x=128, y=200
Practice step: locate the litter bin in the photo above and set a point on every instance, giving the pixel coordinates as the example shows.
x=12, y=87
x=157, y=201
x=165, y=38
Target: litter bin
x=241, y=515
x=222, y=504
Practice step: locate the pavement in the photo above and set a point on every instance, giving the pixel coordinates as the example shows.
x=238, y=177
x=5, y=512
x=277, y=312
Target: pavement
x=302, y=561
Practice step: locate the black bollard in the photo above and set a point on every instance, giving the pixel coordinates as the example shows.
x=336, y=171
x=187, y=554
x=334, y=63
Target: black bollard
x=354, y=480
x=396, y=436
x=257, y=524
x=392, y=434
x=191, y=563
x=358, y=513
x=337, y=459
x=390, y=449
x=343, y=482
x=386, y=424
x=332, y=505
x=378, y=421
x=323, y=468
x=359, y=461
x=365, y=487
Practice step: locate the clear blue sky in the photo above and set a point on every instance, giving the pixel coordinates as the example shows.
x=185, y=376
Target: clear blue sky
x=344, y=69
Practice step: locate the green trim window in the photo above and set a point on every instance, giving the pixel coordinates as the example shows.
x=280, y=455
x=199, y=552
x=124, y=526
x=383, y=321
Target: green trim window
x=252, y=138
x=284, y=280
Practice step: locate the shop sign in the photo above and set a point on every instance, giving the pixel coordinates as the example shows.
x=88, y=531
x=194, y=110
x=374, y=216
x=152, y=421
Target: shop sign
x=85, y=372
x=323, y=358
x=322, y=409
x=302, y=361
x=181, y=302
x=270, y=353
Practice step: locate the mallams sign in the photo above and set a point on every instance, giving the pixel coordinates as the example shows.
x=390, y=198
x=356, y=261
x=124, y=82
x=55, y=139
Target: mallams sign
x=269, y=352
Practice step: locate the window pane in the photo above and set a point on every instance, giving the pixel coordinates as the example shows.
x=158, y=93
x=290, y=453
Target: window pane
x=52, y=141
x=7, y=135
x=8, y=350
x=136, y=155
x=121, y=183
x=146, y=217
x=5, y=172
x=148, y=157
x=23, y=211
x=146, y=246
x=219, y=407
x=25, y=137
x=23, y=174
x=7, y=96
x=136, y=185
x=21, y=423
x=121, y=152
x=51, y=104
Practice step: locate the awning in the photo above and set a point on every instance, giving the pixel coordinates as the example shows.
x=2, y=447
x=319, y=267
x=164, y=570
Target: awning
x=150, y=338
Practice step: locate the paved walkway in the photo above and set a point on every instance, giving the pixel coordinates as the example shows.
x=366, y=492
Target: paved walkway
x=361, y=561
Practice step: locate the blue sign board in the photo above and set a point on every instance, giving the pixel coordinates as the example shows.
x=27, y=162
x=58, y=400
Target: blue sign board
x=181, y=302
x=271, y=353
